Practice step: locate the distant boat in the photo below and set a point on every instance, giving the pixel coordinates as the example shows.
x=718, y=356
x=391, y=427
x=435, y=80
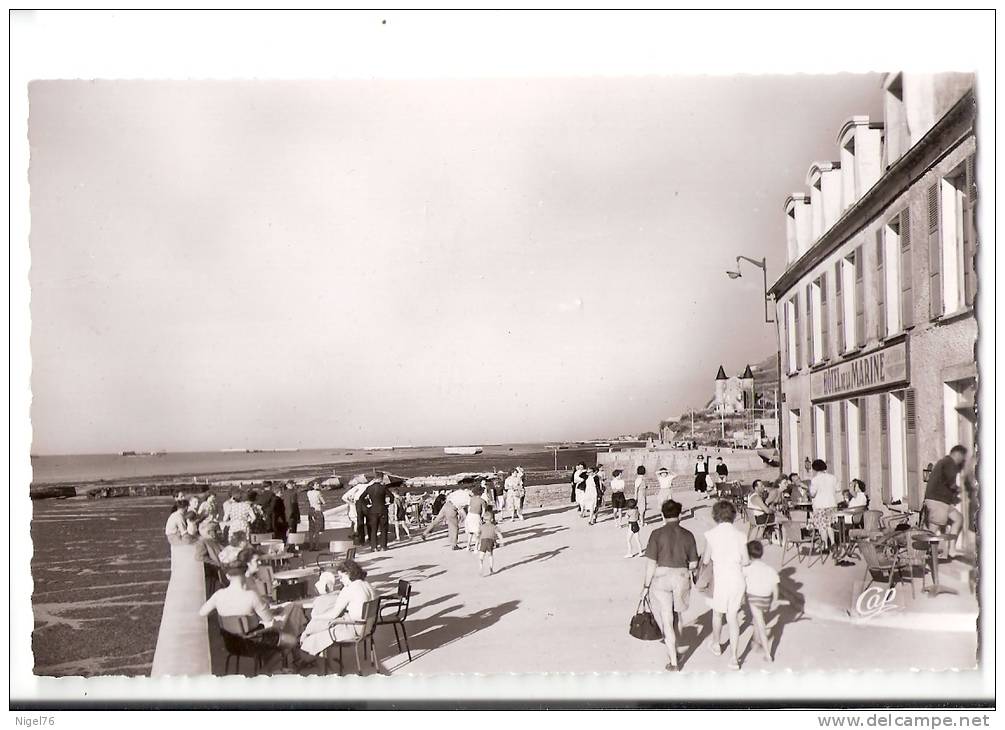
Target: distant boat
x=462, y=450
x=601, y=444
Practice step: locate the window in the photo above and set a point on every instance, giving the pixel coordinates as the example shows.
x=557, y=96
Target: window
x=952, y=241
x=797, y=333
x=792, y=445
x=820, y=314
x=821, y=427
x=853, y=446
x=791, y=335
x=895, y=301
x=859, y=303
x=899, y=448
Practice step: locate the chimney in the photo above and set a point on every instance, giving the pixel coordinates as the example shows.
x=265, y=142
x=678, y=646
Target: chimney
x=798, y=227
x=861, y=145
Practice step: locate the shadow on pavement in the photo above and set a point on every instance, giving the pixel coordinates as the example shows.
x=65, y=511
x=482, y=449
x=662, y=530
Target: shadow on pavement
x=436, y=631
x=540, y=557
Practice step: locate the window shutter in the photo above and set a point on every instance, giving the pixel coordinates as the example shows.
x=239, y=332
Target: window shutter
x=863, y=442
x=970, y=234
x=842, y=407
x=880, y=288
x=825, y=330
x=914, y=486
x=934, y=253
x=809, y=325
x=839, y=296
x=906, y=271
x=859, y=298
x=884, y=446
x=828, y=455
x=798, y=336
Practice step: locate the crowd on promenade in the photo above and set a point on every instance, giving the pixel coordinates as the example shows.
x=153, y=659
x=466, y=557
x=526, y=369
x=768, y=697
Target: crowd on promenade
x=729, y=571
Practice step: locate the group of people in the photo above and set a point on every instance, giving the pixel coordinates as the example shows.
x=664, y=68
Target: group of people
x=674, y=567
x=476, y=508
x=335, y=615
x=274, y=509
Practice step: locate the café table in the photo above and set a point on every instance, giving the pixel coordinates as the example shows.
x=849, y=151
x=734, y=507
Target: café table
x=931, y=545
x=278, y=559
x=845, y=547
x=293, y=583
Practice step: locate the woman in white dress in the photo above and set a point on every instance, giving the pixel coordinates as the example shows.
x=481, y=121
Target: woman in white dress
x=726, y=549
x=339, y=613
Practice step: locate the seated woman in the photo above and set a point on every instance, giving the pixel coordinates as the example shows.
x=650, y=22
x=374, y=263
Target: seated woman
x=858, y=499
x=238, y=600
x=340, y=612
x=759, y=509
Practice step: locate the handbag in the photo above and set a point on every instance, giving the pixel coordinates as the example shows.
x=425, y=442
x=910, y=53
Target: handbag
x=643, y=624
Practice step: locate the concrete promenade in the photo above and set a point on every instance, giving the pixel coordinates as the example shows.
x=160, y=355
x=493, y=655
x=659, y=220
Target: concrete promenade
x=563, y=595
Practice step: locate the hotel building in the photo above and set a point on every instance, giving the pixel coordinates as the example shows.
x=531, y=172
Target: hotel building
x=875, y=307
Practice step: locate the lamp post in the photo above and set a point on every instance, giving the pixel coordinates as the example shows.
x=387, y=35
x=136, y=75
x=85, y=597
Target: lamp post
x=762, y=264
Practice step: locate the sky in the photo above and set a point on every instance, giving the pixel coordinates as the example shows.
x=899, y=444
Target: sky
x=310, y=264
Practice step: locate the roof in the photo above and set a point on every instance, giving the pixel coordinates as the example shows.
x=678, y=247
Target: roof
x=721, y=375
x=946, y=133
x=747, y=373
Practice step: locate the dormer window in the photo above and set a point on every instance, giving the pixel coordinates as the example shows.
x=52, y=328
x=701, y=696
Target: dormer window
x=824, y=182
x=898, y=136
x=798, y=225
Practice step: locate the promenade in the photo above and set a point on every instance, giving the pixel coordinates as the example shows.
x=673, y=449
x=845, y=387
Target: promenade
x=563, y=595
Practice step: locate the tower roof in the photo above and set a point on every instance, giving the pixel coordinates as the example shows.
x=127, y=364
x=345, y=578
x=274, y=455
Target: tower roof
x=721, y=375
x=747, y=374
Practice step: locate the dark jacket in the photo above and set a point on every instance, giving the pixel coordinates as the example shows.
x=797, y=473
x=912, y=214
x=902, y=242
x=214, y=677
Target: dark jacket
x=374, y=498
x=291, y=507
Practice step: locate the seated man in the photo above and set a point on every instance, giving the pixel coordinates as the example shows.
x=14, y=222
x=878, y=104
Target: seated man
x=942, y=494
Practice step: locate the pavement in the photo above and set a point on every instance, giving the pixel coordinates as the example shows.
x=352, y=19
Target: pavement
x=563, y=594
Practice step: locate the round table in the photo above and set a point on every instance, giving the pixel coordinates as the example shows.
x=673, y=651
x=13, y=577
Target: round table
x=296, y=577
x=931, y=544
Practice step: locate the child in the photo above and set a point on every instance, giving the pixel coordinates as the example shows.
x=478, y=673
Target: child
x=762, y=589
x=632, y=512
x=618, y=496
x=399, y=515
x=488, y=538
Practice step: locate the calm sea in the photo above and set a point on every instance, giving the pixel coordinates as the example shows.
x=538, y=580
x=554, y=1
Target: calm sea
x=68, y=469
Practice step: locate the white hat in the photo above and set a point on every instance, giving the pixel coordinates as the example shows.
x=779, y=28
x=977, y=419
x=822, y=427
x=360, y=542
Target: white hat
x=326, y=583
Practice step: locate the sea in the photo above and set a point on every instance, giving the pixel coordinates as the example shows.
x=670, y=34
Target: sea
x=113, y=468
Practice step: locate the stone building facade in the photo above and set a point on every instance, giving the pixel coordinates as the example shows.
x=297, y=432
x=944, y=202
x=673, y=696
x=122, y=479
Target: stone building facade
x=876, y=305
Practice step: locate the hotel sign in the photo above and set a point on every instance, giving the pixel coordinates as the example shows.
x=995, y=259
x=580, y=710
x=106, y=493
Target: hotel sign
x=878, y=370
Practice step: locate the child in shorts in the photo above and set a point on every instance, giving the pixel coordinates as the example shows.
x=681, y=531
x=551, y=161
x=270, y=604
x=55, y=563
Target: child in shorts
x=762, y=590
x=632, y=513
x=488, y=538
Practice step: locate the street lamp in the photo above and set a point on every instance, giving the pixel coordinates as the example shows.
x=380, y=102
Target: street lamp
x=763, y=266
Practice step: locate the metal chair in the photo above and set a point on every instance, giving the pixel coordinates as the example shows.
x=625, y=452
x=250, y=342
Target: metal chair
x=757, y=530
x=238, y=642
x=884, y=562
x=368, y=624
x=399, y=604
x=792, y=535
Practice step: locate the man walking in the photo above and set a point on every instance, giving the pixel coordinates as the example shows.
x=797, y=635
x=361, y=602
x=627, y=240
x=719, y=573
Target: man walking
x=291, y=505
x=376, y=514
x=671, y=555
x=942, y=494
x=315, y=515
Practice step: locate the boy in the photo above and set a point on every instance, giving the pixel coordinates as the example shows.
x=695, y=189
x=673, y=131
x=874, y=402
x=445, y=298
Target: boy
x=762, y=590
x=632, y=513
x=488, y=537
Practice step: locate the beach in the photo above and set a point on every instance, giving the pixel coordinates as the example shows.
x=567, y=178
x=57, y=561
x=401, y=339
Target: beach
x=101, y=566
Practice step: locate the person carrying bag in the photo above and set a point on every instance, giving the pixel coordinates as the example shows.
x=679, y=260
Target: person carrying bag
x=643, y=625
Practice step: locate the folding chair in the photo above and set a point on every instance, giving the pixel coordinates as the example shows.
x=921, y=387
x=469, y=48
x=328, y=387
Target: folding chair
x=368, y=624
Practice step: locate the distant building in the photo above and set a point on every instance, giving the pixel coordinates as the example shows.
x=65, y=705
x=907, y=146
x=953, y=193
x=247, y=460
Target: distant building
x=875, y=309
x=734, y=394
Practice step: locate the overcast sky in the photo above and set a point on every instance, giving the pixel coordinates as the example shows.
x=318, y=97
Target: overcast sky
x=278, y=264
